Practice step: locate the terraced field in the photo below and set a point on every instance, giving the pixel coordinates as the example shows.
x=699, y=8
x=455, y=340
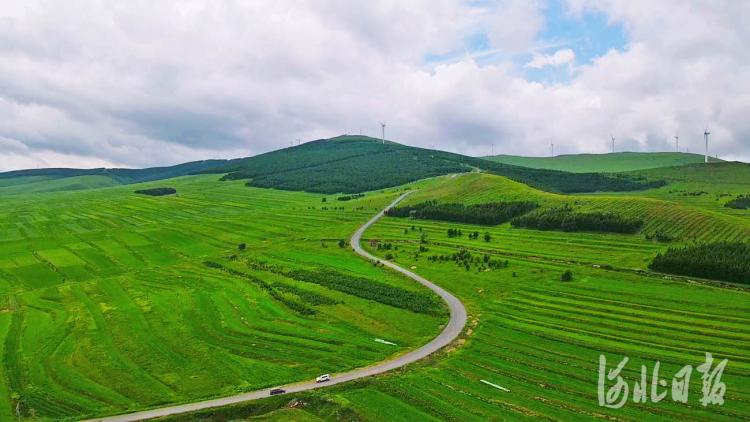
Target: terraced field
x=108, y=304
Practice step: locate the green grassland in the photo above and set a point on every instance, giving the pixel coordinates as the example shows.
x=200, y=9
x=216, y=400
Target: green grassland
x=540, y=337
x=606, y=163
x=107, y=304
x=113, y=301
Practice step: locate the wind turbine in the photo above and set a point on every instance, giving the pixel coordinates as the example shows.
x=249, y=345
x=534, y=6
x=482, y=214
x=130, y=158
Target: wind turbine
x=613, y=142
x=677, y=143
x=382, y=125
x=552, y=149
x=705, y=136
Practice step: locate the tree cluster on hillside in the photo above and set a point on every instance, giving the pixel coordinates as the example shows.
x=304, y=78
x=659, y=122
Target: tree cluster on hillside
x=660, y=236
x=157, y=191
x=726, y=261
x=362, y=287
x=369, y=289
x=274, y=292
x=565, y=218
x=350, y=197
x=348, y=165
x=491, y=213
x=565, y=182
x=464, y=258
x=742, y=202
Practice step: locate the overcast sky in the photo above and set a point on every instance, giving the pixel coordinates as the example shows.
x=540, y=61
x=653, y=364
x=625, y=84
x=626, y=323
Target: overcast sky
x=143, y=83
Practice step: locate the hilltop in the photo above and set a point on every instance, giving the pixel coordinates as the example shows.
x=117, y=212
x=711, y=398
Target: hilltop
x=608, y=163
x=358, y=163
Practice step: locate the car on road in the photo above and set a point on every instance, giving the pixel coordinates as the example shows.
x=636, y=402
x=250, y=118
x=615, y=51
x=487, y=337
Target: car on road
x=277, y=391
x=323, y=378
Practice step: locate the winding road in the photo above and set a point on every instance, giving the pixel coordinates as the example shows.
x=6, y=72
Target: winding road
x=450, y=332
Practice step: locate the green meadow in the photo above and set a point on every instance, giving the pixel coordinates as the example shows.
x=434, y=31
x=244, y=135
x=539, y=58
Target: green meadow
x=108, y=305
x=112, y=301
x=539, y=337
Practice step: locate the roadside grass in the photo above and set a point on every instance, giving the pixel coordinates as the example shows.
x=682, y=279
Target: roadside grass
x=111, y=309
x=540, y=337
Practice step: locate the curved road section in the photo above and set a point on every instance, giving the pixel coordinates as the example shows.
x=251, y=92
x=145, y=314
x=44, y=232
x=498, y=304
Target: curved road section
x=449, y=333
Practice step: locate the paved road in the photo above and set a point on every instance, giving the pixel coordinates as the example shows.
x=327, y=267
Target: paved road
x=449, y=333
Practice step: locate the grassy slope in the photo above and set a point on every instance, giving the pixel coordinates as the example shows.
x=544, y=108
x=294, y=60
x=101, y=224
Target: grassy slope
x=57, y=185
x=107, y=306
x=608, y=163
x=541, y=338
x=700, y=186
x=682, y=219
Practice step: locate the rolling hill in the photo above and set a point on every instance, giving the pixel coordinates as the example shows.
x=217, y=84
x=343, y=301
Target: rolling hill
x=680, y=219
x=352, y=164
x=608, y=163
x=68, y=179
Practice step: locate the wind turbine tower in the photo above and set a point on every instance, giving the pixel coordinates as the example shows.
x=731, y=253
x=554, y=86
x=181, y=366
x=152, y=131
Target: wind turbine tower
x=552, y=149
x=677, y=143
x=613, y=143
x=705, y=136
x=382, y=125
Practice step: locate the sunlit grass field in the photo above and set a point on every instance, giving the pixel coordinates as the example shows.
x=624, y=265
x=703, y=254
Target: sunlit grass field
x=107, y=305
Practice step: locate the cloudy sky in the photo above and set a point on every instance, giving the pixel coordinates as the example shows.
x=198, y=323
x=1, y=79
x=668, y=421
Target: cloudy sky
x=143, y=83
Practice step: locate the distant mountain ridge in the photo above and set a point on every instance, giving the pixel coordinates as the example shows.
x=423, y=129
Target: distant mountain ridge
x=347, y=164
x=122, y=175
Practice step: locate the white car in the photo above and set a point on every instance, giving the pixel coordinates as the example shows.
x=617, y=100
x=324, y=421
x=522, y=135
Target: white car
x=323, y=378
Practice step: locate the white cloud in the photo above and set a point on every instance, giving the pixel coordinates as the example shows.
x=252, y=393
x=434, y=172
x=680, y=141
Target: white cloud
x=559, y=57
x=148, y=83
